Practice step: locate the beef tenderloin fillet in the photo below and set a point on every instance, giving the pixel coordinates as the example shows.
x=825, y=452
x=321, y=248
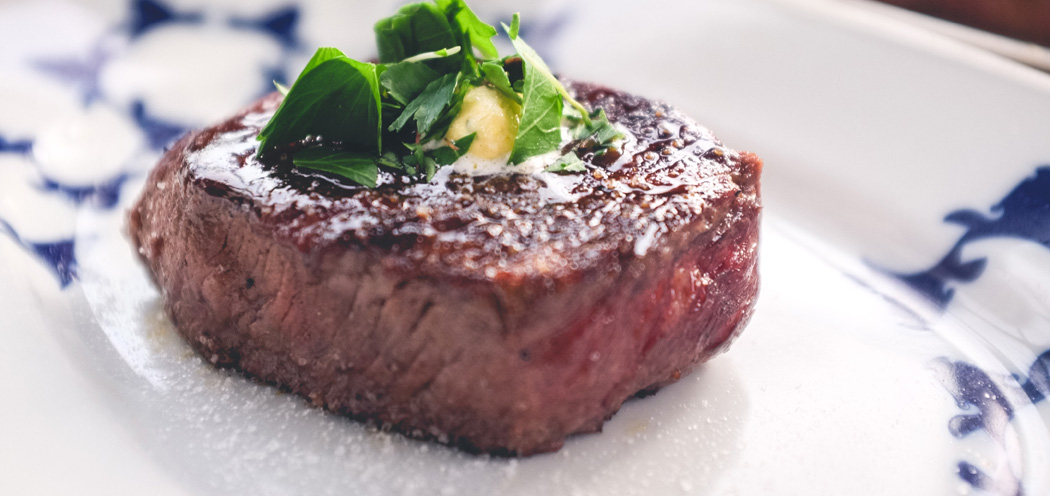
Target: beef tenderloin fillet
x=482, y=312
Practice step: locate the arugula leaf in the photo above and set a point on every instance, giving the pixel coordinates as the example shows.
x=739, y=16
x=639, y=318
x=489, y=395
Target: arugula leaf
x=567, y=163
x=539, y=131
x=427, y=107
x=338, y=100
x=479, y=32
x=494, y=73
x=535, y=62
x=415, y=28
x=357, y=167
x=406, y=80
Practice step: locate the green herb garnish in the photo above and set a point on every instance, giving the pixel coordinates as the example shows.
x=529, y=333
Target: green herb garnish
x=595, y=133
x=357, y=167
x=404, y=81
x=496, y=75
x=534, y=62
x=414, y=29
x=427, y=107
x=539, y=131
x=362, y=116
x=337, y=99
x=569, y=162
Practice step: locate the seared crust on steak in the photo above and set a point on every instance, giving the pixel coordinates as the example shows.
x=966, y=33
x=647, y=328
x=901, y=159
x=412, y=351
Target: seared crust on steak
x=484, y=312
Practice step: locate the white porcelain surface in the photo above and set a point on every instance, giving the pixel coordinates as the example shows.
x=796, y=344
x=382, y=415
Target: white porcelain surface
x=847, y=381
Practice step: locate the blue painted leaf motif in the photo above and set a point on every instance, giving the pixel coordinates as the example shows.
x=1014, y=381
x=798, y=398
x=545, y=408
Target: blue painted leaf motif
x=1023, y=214
x=19, y=146
x=933, y=282
x=60, y=256
x=80, y=72
x=1004, y=486
x=973, y=389
x=1037, y=386
x=104, y=195
x=148, y=14
x=972, y=475
x=282, y=24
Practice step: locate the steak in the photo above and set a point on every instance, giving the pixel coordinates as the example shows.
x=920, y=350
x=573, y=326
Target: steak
x=498, y=314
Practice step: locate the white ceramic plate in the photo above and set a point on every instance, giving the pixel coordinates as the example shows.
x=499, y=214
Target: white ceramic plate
x=892, y=352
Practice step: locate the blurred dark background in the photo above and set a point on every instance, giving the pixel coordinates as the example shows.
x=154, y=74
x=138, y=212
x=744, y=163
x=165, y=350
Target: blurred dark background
x=1027, y=20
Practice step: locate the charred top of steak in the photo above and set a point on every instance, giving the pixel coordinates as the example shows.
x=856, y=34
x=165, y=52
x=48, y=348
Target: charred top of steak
x=510, y=228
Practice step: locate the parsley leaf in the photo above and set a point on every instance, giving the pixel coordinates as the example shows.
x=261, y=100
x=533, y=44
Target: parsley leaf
x=598, y=134
x=539, y=131
x=360, y=168
x=567, y=163
x=415, y=28
x=427, y=160
x=534, y=61
x=427, y=107
x=337, y=99
x=515, y=26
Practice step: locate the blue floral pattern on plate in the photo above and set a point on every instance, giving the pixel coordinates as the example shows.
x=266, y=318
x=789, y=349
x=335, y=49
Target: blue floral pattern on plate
x=83, y=73
x=1024, y=214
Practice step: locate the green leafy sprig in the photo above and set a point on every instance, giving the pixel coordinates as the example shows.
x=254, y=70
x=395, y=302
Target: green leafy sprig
x=355, y=117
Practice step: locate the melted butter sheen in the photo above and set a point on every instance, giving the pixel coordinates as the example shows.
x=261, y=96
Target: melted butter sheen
x=669, y=174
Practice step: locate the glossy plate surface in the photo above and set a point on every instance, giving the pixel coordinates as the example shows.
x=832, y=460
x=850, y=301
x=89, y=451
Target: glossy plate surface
x=900, y=345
